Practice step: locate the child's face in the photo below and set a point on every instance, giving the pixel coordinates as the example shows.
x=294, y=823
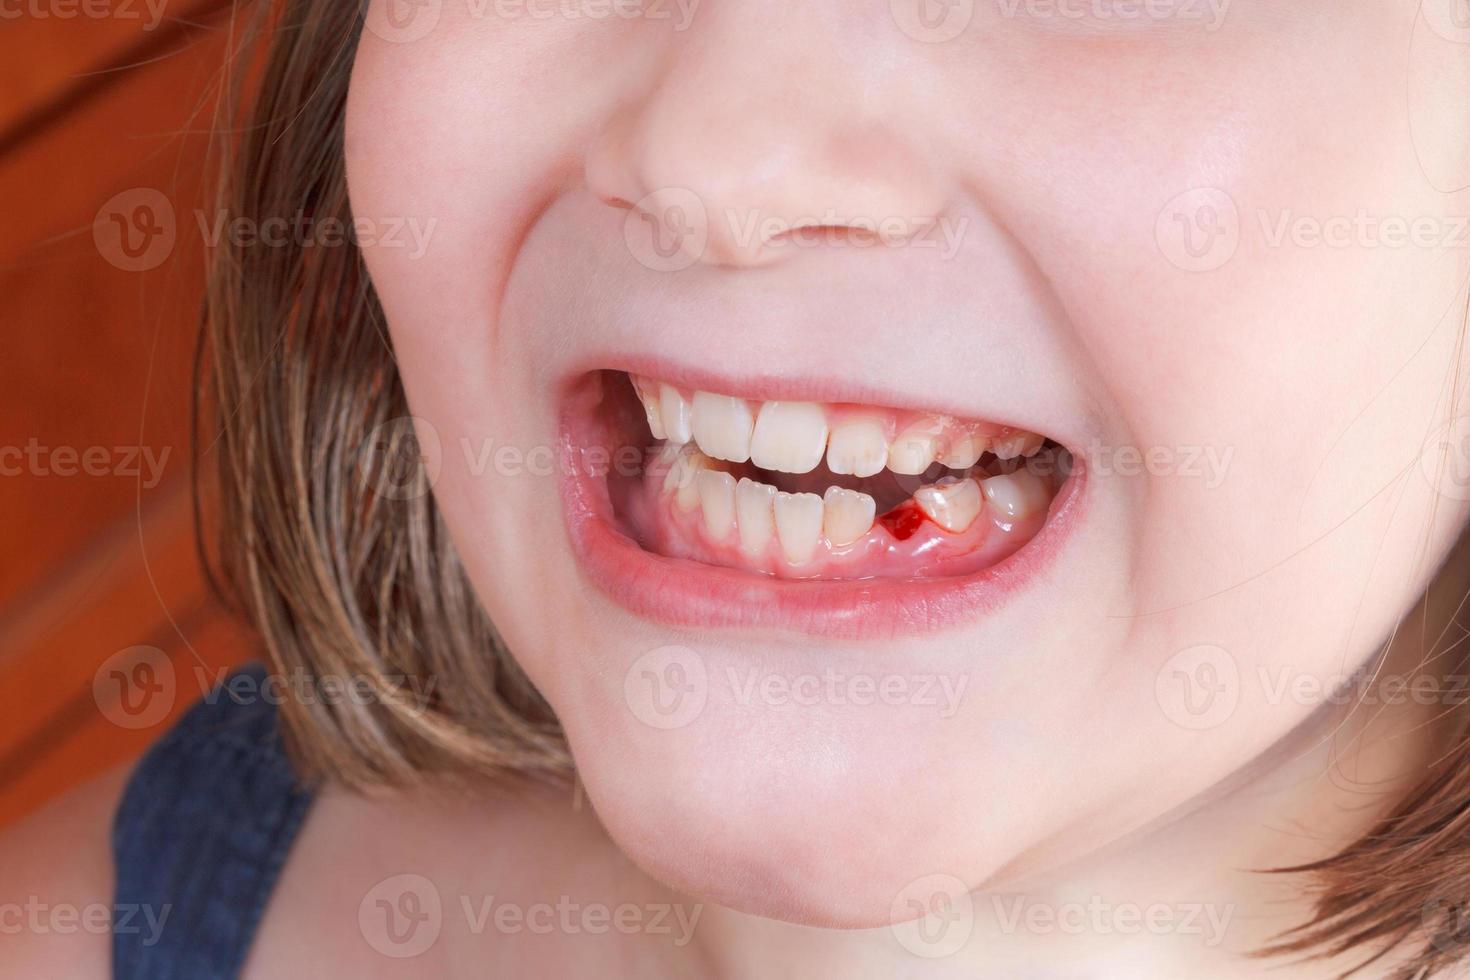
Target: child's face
x=1210, y=249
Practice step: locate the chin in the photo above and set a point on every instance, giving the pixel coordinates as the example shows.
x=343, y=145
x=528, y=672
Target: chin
x=780, y=851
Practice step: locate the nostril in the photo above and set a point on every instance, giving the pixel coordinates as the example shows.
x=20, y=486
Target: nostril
x=826, y=235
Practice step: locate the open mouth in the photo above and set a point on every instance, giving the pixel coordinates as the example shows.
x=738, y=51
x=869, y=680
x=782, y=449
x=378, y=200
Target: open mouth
x=719, y=493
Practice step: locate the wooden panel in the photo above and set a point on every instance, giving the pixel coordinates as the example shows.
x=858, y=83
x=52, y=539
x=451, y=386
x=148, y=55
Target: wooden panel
x=57, y=50
x=96, y=361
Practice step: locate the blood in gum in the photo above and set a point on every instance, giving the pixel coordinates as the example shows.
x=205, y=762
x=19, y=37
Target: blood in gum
x=904, y=520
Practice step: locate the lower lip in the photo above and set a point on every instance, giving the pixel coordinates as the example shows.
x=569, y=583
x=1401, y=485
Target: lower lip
x=678, y=592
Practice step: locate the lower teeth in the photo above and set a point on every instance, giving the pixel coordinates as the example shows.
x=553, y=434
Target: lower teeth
x=738, y=515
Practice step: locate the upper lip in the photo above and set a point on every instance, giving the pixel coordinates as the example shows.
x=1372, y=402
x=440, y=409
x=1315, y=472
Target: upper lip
x=888, y=328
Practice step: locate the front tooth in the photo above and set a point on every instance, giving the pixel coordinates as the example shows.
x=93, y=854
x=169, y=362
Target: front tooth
x=1017, y=495
x=913, y=451
x=1017, y=442
x=754, y=516
x=722, y=426
x=858, y=447
x=965, y=451
x=952, y=504
x=798, y=525
x=847, y=515
x=717, y=501
x=674, y=411
x=789, y=437
x=652, y=408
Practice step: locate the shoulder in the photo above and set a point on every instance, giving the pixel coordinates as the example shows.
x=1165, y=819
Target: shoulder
x=167, y=863
x=223, y=762
x=201, y=833
x=453, y=852
x=56, y=885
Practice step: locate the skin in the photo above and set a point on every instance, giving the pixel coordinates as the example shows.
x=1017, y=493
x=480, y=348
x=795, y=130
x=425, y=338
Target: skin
x=1300, y=559
x=1072, y=765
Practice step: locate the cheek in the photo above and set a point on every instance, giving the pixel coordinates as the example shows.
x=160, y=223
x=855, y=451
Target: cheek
x=1276, y=352
x=463, y=136
x=469, y=132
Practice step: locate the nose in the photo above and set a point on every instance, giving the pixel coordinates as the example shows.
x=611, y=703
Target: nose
x=745, y=145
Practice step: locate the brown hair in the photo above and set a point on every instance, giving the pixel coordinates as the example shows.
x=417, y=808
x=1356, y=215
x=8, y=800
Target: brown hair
x=345, y=568
x=332, y=544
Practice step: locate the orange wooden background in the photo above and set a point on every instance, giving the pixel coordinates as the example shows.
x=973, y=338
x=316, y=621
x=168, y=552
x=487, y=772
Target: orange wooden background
x=95, y=105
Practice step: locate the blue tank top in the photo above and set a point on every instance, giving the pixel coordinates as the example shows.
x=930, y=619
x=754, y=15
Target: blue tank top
x=199, y=838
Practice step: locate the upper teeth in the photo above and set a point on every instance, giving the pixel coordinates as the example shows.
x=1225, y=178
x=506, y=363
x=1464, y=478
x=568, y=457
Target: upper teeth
x=913, y=451
x=794, y=437
x=674, y=413
x=857, y=447
x=789, y=436
x=722, y=426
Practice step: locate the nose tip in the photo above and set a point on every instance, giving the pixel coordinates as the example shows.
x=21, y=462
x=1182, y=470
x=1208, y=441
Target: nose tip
x=699, y=187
